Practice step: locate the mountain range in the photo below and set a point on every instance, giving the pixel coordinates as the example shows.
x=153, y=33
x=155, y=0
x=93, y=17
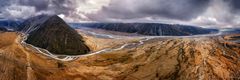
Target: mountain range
x=152, y=29
x=10, y=25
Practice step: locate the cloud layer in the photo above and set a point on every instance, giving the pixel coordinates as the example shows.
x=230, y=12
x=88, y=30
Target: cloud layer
x=174, y=9
x=208, y=13
x=72, y=9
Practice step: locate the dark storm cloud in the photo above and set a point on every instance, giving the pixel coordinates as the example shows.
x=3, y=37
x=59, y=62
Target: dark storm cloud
x=4, y=3
x=178, y=9
x=235, y=4
x=221, y=13
x=8, y=8
x=38, y=4
x=209, y=12
x=56, y=6
x=174, y=9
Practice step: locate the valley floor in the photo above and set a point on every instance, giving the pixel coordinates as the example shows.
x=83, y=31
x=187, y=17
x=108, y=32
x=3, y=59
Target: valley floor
x=156, y=59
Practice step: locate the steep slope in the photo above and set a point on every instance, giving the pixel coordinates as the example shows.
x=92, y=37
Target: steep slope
x=53, y=34
x=153, y=29
x=3, y=29
x=32, y=23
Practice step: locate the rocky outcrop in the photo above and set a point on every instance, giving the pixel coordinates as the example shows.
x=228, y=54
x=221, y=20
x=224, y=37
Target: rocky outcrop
x=53, y=34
